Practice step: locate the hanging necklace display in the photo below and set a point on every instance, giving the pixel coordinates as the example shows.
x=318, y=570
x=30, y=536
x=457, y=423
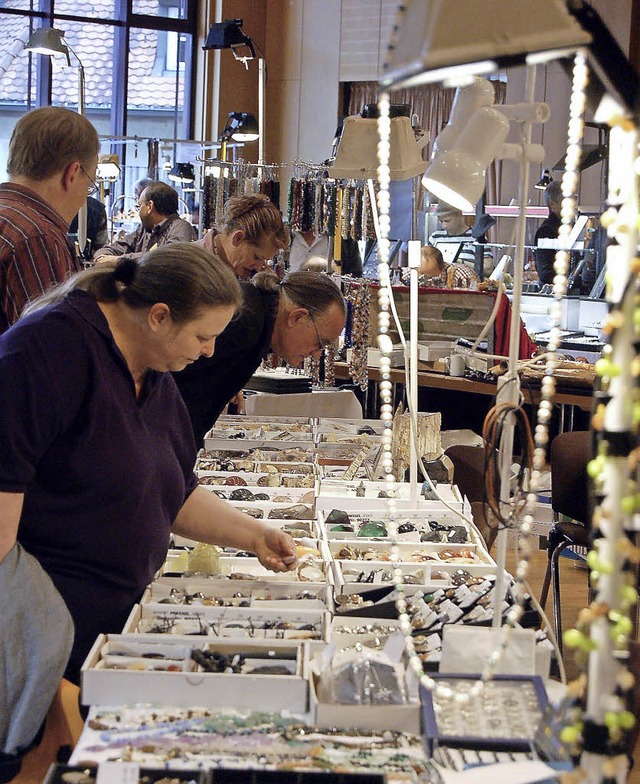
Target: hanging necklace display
x=321, y=204
x=312, y=368
x=330, y=365
x=231, y=178
x=358, y=297
x=602, y=730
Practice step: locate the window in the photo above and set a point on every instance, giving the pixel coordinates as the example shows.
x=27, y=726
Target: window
x=149, y=49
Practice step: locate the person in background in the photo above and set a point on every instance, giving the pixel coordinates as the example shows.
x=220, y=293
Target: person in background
x=307, y=247
x=434, y=271
x=140, y=186
x=295, y=318
x=454, y=230
x=52, y=160
x=97, y=233
x=548, y=229
x=250, y=235
x=160, y=224
x=96, y=465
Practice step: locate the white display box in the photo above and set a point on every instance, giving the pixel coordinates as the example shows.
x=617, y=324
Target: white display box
x=104, y=686
x=253, y=465
x=228, y=623
x=348, y=630
x=340, y=494
x=269, y=440
x=328, y=425
x=406, y=550
x=396, y=356
x=259, y=593
x=269, y=479
x=330, y=454
x=402, y=718
x=293, y=495
x=177, y=562
x=432, y=574
x=225, y=419
x=417, y=517
x=271, y=511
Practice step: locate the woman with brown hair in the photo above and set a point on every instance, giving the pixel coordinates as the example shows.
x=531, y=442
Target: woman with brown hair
x=96, y=465
x=250, y=235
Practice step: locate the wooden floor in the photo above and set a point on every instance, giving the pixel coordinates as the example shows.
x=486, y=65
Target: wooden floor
x=64, y=723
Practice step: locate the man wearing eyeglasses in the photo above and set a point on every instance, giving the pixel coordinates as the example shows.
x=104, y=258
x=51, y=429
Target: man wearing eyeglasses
x=53, y=154
x=160, y=224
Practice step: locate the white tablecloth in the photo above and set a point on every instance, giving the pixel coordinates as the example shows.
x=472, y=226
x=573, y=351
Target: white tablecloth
x=322, y=403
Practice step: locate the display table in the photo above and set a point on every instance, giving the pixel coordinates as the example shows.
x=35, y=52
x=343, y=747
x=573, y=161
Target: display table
x=567, y=399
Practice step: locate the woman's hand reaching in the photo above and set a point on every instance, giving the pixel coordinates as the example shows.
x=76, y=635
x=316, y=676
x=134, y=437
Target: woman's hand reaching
x=275, y=550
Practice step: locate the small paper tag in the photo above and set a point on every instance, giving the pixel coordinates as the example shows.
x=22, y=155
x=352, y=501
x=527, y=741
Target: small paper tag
x=118, y=773
x=394, y=647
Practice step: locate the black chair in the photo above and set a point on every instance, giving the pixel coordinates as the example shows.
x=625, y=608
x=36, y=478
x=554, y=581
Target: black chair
x=570, y=453
x=468, y=475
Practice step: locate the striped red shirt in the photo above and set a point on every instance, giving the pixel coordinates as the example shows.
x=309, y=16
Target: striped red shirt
x=34, y=251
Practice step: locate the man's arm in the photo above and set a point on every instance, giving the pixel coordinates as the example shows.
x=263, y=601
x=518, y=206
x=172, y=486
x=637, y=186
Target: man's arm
x=207, y=518
x=10, y=511
x=126, y=244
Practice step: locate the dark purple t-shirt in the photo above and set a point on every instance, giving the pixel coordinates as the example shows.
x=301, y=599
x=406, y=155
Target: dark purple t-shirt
x=104, y=474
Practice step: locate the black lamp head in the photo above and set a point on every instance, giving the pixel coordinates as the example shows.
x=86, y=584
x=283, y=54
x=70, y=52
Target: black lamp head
x=241, y=127
x=182, y=172
x=228, y=35
x=544, y=180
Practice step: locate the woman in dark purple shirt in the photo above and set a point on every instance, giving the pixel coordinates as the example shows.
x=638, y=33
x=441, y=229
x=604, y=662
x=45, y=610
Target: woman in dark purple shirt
x=96, y=448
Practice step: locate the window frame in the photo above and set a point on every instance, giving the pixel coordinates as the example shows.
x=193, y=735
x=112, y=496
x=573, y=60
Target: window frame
x=123, y=21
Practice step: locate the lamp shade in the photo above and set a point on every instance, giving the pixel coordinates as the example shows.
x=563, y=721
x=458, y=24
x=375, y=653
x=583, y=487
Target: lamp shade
x=467, y=99
x=544, y=180
x=182, y=172
x=490, y=34
x=228, y=35
x=458, y=175
x=242, y=127
x=357, y=155
x=48, y=41
x=108, y=168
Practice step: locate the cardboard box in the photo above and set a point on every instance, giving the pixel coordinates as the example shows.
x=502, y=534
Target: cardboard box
x=102, y=686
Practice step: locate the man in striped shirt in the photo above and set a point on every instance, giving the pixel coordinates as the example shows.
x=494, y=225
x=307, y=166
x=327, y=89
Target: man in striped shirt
x=53, y=155
x=456, y=234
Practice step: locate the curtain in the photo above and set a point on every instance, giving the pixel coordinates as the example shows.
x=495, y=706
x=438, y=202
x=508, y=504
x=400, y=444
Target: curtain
x=432, y=103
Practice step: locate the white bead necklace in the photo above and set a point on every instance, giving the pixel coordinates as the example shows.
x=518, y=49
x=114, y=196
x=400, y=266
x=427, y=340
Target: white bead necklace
x=569, y=186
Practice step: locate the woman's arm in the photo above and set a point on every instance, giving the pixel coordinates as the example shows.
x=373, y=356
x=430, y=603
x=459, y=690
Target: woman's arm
x=10, y=511
x=207, y=518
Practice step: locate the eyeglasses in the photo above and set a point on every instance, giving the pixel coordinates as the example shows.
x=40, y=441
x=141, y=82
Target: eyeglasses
x=94, y=187
x=322, y=343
